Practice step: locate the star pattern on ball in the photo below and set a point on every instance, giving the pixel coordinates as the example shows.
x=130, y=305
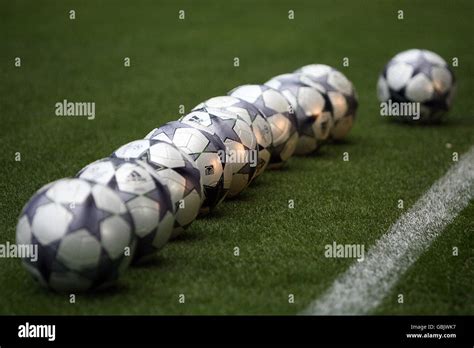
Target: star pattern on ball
x=252, y=110
x=88, y=216
x=323, y=81
x=192, y=177
x=224, y=128
x=125, y=196
x=34, y=204
x=157, y=167
x=351, y=101
x=169, y=129
x=214, y=193
x=118, y=162
x=305, y=126
x=260, y=104
x=214, y=143
x=421, y=65
x=47, y=256
x=247, y=169
x=160, y=195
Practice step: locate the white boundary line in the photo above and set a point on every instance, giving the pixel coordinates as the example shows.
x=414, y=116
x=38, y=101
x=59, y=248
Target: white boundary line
x=365, y=284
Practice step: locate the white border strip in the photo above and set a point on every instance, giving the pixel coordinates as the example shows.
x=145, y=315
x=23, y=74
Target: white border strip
x=365, y=284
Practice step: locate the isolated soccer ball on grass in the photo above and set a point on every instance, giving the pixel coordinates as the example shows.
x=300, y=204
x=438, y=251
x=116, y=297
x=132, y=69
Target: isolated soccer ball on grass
x=418, y=76
x=253, y=117
x=83, y=232
x=176, y=170
x=312, y=108
x=341, y=93
x=207, y=151
x=279, y=114
x=240, y=142
x=147, y=198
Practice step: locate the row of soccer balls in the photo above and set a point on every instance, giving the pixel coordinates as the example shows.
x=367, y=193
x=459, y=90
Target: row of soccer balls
x=126, y=207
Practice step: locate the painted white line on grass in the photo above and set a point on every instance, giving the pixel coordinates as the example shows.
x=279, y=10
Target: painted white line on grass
x=365, y=284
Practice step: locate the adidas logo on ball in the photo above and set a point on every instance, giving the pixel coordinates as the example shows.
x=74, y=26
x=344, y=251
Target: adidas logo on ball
x=135, y=176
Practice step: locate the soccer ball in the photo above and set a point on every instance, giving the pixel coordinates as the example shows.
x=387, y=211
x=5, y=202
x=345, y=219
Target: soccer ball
x=341, y=93
x=207, y=151
x=419, y=76
x=146, y=197
x=312, y=108
x=253, y=117
x=176, y=170
x=240, y=142
x=83, y=233
x=279, y=114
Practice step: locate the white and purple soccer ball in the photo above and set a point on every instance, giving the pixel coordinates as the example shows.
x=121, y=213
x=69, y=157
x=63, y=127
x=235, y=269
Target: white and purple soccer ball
x=279, y=114
x=83, y=232
x=240, y=142
x=341, y=93
x=176, y=170
x=253, y=117
x=147, y=198
x=208, y=153
x=312, y=108
x=418, y=76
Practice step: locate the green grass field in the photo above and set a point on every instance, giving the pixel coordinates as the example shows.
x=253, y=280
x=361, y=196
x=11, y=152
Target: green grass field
x=176, y=62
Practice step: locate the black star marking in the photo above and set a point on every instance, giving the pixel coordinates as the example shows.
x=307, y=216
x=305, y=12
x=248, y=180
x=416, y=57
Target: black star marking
x=305, y=126
x=352, y=105
x=214, y=194
x=421, y=66
x=247, y=169
x=88, y=216
x=125, y=196
x=224, y=128
x=323, y=81
x=162, y=196
x=397, y=96
x=267, y=112
x=157, y=167
x=47, y=260
x=117, y=162
x=252, y=110
x=35, y=202
x=192, y=177
x=169, y=129
x=327, y=103
x=215, y=143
